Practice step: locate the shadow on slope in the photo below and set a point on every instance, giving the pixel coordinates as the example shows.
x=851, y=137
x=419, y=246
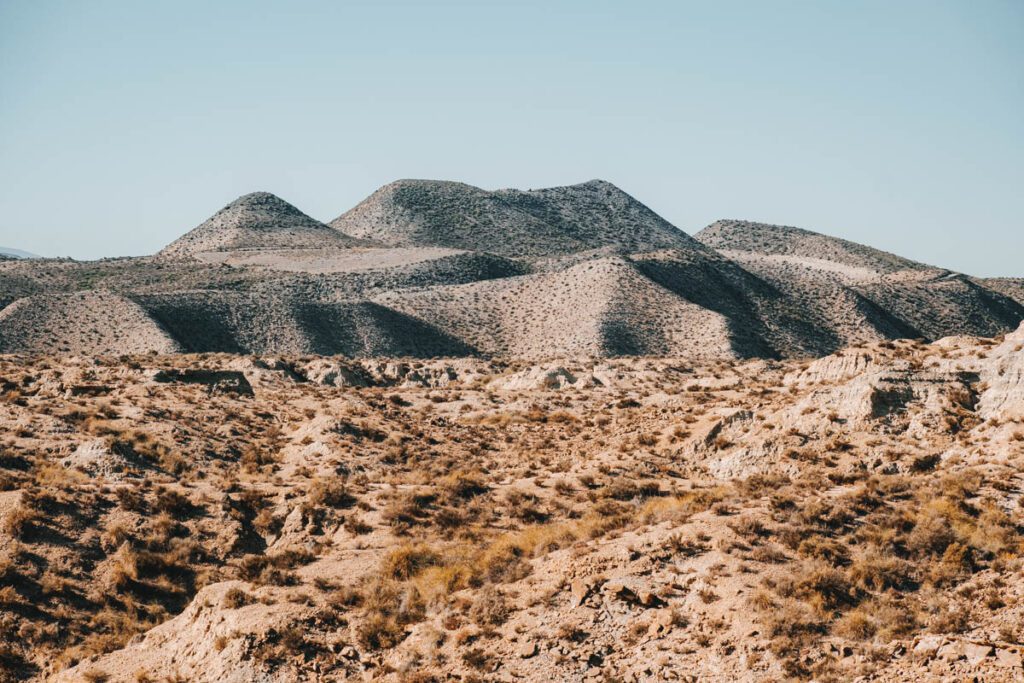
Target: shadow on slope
x=243, y=323
x=762, y=321
x=94, y=322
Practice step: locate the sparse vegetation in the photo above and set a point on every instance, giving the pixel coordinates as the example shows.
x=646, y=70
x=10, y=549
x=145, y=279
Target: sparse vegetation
x=361, y=524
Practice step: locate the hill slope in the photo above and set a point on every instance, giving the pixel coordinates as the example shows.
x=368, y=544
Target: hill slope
x=601, y=307
x=94, y=322
x=258, y=220
x=860, y=293
x=794, y=245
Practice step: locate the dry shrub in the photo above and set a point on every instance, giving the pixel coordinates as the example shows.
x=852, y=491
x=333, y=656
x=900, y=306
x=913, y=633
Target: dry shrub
x=824, y=588
x=406, y=561
x=273, y=569
x=235, y=598
x=491, y=608
x=460, y=486
x=330, y=493
x=857, y=624
x=953, y=618
x=875, y=571
x=21, y=520
x=792, y=620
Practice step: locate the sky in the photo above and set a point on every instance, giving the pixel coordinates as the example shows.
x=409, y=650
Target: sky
x=895, y=124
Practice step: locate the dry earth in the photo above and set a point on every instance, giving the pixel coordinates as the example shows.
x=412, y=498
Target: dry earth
x=219, y=517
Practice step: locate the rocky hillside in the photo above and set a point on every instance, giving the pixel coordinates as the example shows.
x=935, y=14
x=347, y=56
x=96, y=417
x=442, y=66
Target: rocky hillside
x=428, y=268
x=861, y=293
x=274, y=518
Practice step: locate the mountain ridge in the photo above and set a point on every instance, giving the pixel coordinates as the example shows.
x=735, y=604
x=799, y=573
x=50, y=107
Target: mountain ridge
x=429, y=268
x=508, y=222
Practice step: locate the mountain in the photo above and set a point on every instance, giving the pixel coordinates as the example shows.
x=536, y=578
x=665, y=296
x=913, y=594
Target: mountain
x=554, y=221
x=429, y=268
x=259, y=220
x=861, y=293
x=7, y=252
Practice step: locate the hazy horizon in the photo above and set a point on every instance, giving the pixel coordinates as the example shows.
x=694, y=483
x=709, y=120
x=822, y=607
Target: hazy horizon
x=896, y=126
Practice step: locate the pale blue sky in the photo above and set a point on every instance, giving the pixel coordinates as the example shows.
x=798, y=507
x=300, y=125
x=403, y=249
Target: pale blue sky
x=899, y=124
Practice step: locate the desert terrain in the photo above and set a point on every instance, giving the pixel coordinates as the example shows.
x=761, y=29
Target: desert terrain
x=224, y=517
x=461, y=435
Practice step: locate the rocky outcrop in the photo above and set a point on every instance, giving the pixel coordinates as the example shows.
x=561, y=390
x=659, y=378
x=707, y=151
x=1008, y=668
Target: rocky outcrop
x=216, y=381
x=1003, y=375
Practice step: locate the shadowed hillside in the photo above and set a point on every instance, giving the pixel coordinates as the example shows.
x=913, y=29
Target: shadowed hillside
x=430, y=268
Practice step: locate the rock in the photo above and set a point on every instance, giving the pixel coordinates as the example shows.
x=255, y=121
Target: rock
x=928, y=646
x=976, y=653
x=349, y=652
x=101, y=459
x=661, y=624
x=1008, y=659
x=581, y=589
x=527, y=649
x=633, y=592
x=649, y=598
x=950, y=652
x=216, y=381
x=89, y=390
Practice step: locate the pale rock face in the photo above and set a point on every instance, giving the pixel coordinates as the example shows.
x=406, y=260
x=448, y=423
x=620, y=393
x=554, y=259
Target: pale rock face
x=1004, y=374
x=372, y=373
x=833, y=368
x=542, y=377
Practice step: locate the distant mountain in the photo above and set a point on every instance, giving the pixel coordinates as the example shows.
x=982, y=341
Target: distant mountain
x=554, y=221
x=16, y=253
x=259, y=220
x=433, y=268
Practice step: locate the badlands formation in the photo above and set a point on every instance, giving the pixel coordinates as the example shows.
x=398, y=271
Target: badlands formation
x=440, y=269
x=458, y=435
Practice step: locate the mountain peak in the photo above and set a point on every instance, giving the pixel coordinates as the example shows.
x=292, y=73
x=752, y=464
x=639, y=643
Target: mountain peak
x=259, y=198
x=258, y=220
